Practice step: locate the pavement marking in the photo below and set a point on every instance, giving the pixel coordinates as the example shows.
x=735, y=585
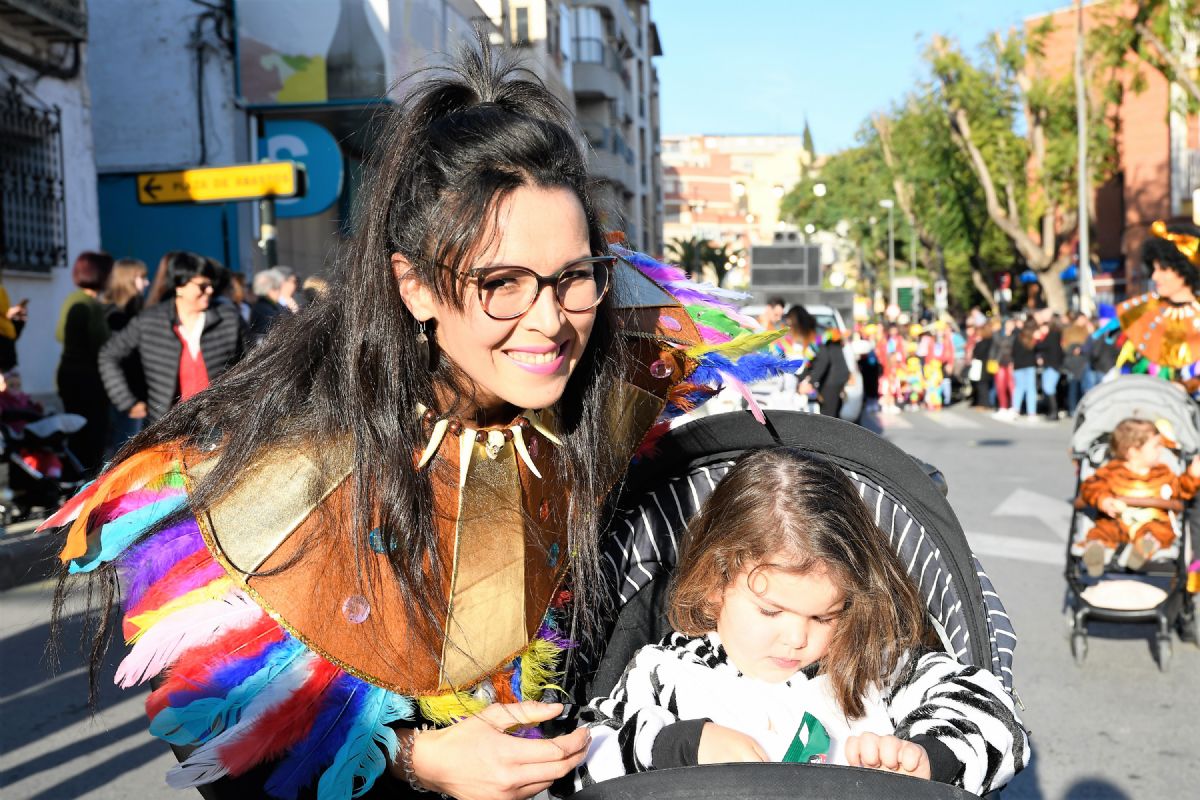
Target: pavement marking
x=1017, y=548
x=1052, y=512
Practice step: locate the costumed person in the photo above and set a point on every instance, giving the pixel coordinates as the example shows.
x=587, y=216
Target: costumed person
x=1133, y=491
x=827, y=372
x=799, y=637
x=1159, y=332
x=361, y=531
x=934, y=380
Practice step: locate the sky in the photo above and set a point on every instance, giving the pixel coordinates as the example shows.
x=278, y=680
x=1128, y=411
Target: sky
x=762, y=66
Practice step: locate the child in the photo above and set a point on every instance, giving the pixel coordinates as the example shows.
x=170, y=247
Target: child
x=1134, y=471
x=799, y=638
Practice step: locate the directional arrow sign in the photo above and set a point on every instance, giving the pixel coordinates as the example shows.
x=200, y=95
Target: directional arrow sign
x=1053, y=512
x=222, y=184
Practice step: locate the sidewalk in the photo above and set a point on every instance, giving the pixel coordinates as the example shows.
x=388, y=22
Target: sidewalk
x=25, y=556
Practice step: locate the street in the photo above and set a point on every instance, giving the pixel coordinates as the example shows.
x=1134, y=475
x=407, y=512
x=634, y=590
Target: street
x=1115, y=728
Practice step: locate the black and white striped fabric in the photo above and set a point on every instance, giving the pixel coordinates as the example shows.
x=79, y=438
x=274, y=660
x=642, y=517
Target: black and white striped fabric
x=643, y=545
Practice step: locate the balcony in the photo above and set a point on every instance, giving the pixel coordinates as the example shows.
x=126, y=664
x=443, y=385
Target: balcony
x=598, y=71
x=611, y=156
x=51, y=20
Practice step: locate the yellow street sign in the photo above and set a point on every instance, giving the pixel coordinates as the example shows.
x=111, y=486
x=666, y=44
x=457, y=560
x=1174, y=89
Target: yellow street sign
x=220, y=184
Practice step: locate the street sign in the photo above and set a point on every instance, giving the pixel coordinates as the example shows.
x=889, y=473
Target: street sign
x=221, y=184
x=313, y=147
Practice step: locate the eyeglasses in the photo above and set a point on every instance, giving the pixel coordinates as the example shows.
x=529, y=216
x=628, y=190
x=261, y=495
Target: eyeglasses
x=508, y=292
x=202, y=285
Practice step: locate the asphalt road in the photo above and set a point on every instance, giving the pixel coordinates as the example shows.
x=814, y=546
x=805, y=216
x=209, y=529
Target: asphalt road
x=1114, y=728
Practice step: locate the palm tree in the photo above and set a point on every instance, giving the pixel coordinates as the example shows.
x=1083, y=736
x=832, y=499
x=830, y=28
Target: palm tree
x=688, y=253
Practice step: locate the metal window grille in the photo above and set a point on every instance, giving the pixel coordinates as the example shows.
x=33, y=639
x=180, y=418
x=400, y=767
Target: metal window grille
x=33, y=224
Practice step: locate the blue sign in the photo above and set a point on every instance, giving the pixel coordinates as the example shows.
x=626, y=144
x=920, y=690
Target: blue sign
x=314, y=147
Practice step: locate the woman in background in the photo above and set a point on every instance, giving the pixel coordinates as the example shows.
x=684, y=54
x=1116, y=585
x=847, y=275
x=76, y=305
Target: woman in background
x=82, y=330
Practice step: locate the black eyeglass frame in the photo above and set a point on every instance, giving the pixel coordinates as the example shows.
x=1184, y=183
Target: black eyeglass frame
x=609, y=262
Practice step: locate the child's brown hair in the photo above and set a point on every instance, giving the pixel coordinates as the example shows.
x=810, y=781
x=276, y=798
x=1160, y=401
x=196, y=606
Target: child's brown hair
x=801, y=510
x=1130, y=433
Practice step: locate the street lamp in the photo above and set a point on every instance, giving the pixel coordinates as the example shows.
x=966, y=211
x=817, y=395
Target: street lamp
x=890, y=204
x=819, y=189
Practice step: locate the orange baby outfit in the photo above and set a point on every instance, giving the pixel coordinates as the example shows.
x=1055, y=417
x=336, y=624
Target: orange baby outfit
x=1116, y=479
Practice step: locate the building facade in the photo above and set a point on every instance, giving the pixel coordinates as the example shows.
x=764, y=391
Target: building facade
x=1158, y=169
x=48, y=205
x=727, y=189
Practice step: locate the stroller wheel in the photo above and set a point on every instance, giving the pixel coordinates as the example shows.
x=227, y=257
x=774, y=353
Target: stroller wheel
x=1187, y=630
x=1079, y=647
x=1162, y=651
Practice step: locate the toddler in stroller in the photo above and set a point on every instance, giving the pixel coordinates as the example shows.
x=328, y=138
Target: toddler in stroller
x=665, y=676
x=1134, y=446
x=42, y=470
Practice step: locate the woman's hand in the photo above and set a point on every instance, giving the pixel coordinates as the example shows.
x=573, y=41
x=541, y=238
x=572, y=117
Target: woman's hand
x=138, y=411
x=476, y=760
x=721, y=745
x=887, y=753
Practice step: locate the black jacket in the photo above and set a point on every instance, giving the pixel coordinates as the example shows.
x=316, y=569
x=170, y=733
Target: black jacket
x=151, y=335
x=263, y=315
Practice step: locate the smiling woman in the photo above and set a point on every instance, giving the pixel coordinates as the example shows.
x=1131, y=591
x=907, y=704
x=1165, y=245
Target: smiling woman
x=364, y=529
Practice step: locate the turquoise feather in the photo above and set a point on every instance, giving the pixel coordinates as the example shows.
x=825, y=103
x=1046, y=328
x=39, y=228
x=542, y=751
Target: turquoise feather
x=117, y=535
x=370, y=745
x=201, y=720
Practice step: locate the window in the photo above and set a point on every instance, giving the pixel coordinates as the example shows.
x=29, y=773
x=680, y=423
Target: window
x=521, y=28
x=33, y=226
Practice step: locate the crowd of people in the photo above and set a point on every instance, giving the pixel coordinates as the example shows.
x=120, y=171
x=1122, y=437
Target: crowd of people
x=132, y=348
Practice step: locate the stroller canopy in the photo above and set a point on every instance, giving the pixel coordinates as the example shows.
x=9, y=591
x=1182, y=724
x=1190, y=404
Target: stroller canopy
x=1137, y=396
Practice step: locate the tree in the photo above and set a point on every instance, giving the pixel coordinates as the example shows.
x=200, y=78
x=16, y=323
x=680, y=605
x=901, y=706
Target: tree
x=1154, y=36
x=695, y=254
x=1028, y=181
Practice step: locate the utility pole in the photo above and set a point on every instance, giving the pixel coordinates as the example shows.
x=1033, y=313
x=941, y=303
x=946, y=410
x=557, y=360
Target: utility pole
x=1087, y=295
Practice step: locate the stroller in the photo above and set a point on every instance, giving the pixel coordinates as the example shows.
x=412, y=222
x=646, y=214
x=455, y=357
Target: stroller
x=1157, y=592
x=42, y=470
x=662, y=493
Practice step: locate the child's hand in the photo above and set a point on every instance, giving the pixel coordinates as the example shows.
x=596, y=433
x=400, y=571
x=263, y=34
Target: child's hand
x=1113, y=507
x=1194, y=467
x=887, y=753
x=721, y=745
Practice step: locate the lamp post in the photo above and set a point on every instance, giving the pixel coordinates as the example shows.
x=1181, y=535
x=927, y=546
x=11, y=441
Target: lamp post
x=893, y=296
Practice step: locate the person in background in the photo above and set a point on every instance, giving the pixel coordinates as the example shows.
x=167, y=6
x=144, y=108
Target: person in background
x=289, y=297
x=266, y=308
x=236, y=292
x=772, y=317
x=82, y=330
x=828, y=372
x=12, y=322
x=1003, y=336
x=315, y=288
x=124, y=300
x=981, y=379
x=182, y=344
x=1050, y=357
x=1024, y=363
x=1075, y=340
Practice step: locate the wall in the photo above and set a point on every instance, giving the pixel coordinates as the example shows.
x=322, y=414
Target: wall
x=37, y=350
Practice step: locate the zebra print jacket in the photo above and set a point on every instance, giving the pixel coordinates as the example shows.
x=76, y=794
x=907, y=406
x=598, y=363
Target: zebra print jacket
x=653, y=718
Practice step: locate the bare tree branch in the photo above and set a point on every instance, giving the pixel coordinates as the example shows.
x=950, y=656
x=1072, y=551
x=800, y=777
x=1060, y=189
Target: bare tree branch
x=1179, y=71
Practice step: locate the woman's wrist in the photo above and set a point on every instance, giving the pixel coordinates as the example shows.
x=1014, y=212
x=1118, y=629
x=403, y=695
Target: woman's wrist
x=406, y=762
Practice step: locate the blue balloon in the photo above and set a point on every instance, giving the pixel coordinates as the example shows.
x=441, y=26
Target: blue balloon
x=1029, y=276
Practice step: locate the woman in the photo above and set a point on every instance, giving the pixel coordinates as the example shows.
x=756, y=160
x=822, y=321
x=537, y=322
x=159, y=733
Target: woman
x=1075, y=359
x=82, y=331
x=1050, y=357
x=383, y=498
x=981, y=379
x=181, y=344
x=12, y=322
x=1024, y=365
x=1003, y=335
x=124, y=299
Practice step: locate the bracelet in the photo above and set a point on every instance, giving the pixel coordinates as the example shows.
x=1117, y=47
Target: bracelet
x=406, y=759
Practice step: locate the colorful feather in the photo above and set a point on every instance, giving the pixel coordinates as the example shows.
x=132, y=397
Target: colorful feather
x=190, y=573
x=316, y=751
x=732, y=380
x=194, y=626
x=133, y=472
x=202, y=719
x=369, y=745
x=205, y=763
x=210, y=591
x=117, y=535
x=145, y=563
x=736, y=348
x=716, y=318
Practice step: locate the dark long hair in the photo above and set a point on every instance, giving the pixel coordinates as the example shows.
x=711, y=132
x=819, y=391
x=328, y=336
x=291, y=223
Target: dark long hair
x=349, y=372
x=781, y=508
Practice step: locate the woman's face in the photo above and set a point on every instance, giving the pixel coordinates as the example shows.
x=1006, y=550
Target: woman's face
x=193, y=297
x=1167, y=282
x=141, y=283
x=523, y=362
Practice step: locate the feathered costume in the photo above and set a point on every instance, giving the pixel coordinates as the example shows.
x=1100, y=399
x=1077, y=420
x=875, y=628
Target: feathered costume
x=270, y=648
x=1155, y=335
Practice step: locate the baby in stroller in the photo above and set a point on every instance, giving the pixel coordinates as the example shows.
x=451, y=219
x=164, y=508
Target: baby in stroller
x=1138, y=497
x=800, y=637
x=42, y=469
